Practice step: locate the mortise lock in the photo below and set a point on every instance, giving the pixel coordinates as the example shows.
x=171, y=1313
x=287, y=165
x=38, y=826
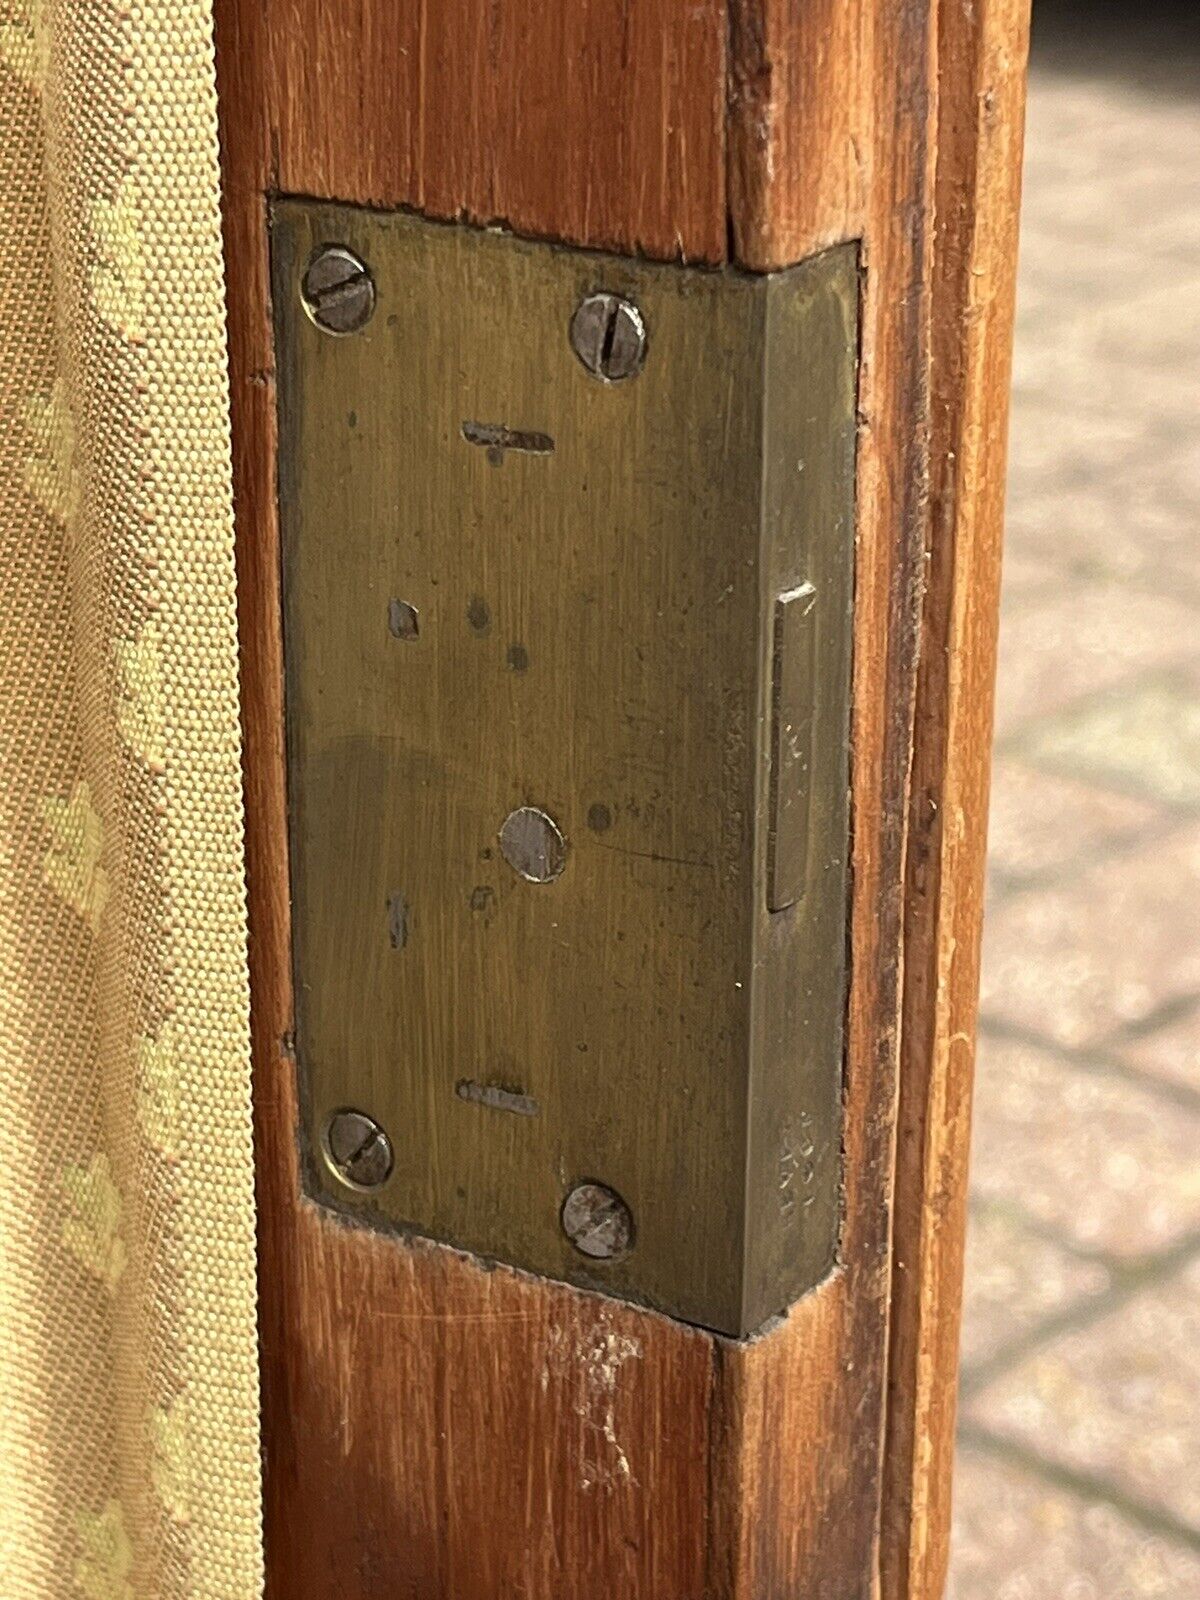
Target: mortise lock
x=567, y=572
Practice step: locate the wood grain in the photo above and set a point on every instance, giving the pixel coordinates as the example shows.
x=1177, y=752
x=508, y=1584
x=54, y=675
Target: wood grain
x=982, y=49
x=432, y=1428
x=600, y=121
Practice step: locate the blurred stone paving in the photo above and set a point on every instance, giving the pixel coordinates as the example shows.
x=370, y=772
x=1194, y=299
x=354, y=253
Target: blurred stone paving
x=1078, y=1472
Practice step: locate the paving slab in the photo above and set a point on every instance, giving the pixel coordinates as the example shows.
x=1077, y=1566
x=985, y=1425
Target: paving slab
x=1018, y=1536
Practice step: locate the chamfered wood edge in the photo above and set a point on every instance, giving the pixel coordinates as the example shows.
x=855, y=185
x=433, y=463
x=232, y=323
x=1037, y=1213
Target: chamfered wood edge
x=756, y=1466
x=983, y=46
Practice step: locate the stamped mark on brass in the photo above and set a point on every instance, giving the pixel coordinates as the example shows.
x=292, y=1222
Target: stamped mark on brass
x=496, y=1098
x=496, y=439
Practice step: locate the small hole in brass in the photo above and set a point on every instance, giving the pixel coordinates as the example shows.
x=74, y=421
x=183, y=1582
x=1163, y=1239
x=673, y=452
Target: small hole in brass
x=404, y=620
x=533, y=845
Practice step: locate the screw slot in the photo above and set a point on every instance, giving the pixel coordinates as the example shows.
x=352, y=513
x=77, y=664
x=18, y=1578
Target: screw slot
x=597, y=1221
x=337, y=290
x=359, y=1152
x=609, y=337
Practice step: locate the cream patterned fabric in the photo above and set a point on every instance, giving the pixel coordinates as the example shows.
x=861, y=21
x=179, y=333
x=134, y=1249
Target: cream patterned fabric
x=128, y=1375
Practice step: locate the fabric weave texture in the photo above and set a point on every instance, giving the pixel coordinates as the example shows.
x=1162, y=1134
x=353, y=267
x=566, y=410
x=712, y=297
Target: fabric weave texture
x=128, y=1365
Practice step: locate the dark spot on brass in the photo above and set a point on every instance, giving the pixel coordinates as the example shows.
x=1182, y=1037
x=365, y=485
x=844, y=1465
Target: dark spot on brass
x=399, y=920
x=403, y=620
x=599, y=818
x=479, y=614
x=518, y=658
x=533, y=845
x=495, y=438
x=358, y=1150
x=482, y=896
x=352, y=419
x=497, y=1099
x=597, y=1221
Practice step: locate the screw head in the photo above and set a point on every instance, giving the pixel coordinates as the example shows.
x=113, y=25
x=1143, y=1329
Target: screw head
x=533, y=845
x=358, y=1149
x=609, y=336
x=597, y=1221
x=337, y=290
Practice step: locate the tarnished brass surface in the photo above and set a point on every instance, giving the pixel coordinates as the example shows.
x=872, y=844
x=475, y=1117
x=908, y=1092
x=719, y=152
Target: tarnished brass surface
x=567, y=714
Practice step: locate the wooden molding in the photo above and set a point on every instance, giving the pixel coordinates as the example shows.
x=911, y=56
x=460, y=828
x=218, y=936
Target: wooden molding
x=982, y=51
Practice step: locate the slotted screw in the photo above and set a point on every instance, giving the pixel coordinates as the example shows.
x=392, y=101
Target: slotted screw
x=360, y=1152
x=597, y=1221
x=338, y=290
x=609, y=337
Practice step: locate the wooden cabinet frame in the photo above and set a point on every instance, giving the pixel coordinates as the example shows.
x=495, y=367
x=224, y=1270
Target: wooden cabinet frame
x=440, y=1431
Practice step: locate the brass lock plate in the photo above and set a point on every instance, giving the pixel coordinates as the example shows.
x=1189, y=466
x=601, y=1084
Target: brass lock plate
x=567, y=572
